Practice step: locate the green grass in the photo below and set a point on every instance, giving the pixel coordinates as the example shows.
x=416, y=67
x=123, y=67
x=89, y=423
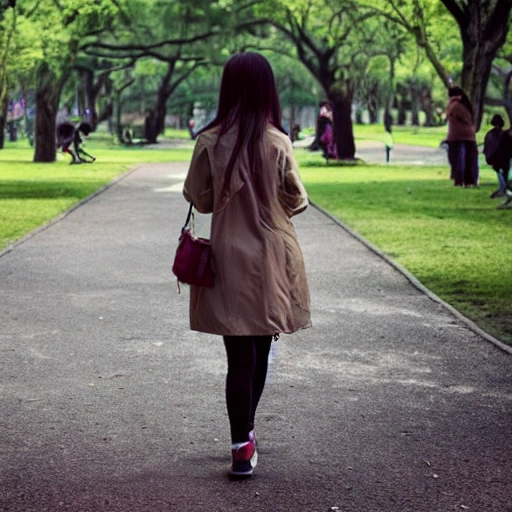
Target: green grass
x=33, y=194
x=411, y=135
x=453, y=240
x=173, y=133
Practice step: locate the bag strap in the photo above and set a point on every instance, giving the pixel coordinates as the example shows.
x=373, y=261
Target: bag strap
x=189, y=216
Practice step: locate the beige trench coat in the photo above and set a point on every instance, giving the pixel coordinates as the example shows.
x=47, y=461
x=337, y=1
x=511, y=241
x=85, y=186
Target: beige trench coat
x=260, y=279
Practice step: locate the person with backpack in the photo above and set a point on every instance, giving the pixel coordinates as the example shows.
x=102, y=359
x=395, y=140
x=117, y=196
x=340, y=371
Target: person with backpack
x=497, y=151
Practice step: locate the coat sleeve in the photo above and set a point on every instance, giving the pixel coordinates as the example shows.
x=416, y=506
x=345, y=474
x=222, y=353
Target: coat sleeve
x=198, y=188
x=292, y=193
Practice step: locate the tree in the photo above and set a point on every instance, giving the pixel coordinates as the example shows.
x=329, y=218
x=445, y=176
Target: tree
x=418, y=89
x=334, y=41
x=56, y=29
x=483, y=28
x=177, y=41
x=479, y=22
x=7, y=30
x=296, y=86
x=499, y=90
x=94, y=78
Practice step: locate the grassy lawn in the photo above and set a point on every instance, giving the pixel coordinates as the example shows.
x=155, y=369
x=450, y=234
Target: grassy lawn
x=453, y=240
x=411, y=135
x=32, y=194
x=416, y=136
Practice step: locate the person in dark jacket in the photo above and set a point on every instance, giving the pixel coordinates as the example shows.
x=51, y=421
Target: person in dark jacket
x=462, y=148
x=498, y=152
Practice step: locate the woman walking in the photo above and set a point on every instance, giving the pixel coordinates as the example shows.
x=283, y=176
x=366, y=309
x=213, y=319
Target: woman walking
x=462, y=148
x=244, y=171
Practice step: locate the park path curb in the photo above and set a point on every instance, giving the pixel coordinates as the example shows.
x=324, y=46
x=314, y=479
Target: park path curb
x=63, y=215
x=417, y=284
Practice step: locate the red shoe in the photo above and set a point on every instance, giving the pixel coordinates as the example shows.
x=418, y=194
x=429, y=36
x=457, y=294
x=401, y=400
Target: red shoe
x=244, y=457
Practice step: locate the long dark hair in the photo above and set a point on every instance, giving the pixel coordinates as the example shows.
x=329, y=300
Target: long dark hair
x=455, y=90
x=248, y=99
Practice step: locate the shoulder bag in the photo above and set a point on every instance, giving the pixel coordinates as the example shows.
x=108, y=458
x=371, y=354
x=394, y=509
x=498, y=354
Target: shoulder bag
x=193, y=259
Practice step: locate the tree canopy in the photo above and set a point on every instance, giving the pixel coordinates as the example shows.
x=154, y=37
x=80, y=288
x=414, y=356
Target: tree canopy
x=383, y=55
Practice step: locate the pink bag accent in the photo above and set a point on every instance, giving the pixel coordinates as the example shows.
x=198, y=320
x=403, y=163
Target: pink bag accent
x=192, y=262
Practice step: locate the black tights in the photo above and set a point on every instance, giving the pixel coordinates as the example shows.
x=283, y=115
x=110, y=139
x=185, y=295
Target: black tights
x=247, y=371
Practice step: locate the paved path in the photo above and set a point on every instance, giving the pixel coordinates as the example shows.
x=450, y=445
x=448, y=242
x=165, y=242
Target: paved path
x=110, y=404
x=372, y=151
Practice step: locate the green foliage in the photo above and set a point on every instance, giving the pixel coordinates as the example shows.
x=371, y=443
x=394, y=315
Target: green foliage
x=55, y=30
x=201, y=88
x=453, y=240
x=296, y=86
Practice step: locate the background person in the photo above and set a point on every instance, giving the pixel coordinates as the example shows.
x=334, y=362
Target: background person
x=69, y=138
x=461, y=139
x=192, y=128
x=498, y=152
x=326, y=132
x=244, y=171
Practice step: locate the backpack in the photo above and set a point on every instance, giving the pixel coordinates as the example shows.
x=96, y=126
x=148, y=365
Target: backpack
x=492, y=142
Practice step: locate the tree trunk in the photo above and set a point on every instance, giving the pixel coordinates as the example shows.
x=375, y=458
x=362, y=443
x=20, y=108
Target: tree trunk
x=484, y=27
x=373, y=112
x=46, y=117
x=415, y=118
x=373, y=103
x=427, y=106
x=342, y=123
x=508, y=96
x=3, y=121
x=47, y=101
x=117, y=103
x=402, y=104
x=402, y=112
x=291, y=123
x=388, y=120
x=161, y=114
x=90, y=94
x=106, y=112
x=476, y=71
x=151, y=127
x=118, y=110
x=91, y=90
x=359, y=116
x=2, y=130
x=156, y=124
x=388, y=116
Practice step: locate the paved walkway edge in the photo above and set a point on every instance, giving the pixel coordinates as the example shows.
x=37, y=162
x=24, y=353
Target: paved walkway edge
x=417, y=284
x=63, y=215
